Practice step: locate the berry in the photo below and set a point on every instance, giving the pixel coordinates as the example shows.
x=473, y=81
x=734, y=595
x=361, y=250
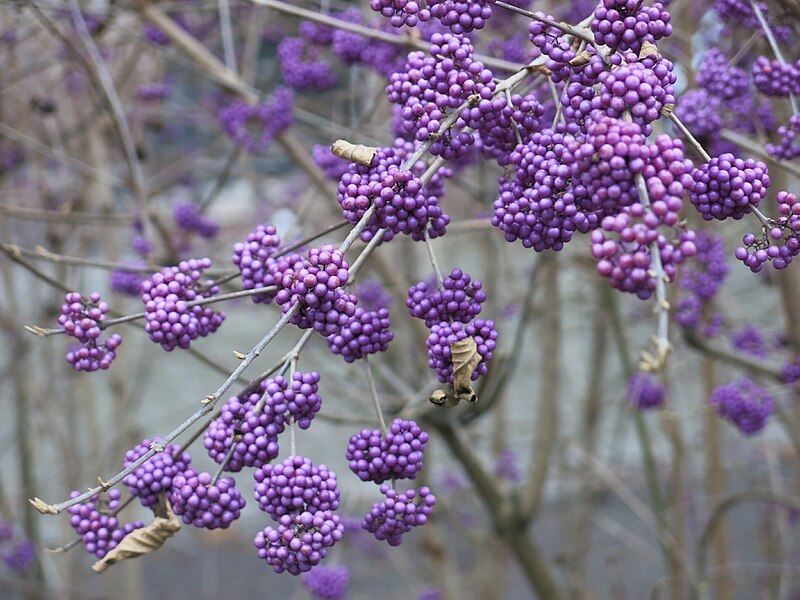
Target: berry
x=626, y=24
x=645, y=392
x=401, y=12
x=81, y=319
x=397, y=455
x=155, y=475
x=399, y=513
x=744, y=404
x=295, y=486
x=268, y=120
x=366, y=333
x=252, y=257
x=727, y=186
x=170, y=321
x=187, y=216
x=327, y=583
x=749, y=340
x=300, y=541
x=95, y=522
x=459, y=299
x=301, y=66
x=204, y=504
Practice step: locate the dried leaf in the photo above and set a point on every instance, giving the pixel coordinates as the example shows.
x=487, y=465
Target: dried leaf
x=465, y=357
x=648, y=49
x=142, y=541
x=356, y=153
x=581, y=59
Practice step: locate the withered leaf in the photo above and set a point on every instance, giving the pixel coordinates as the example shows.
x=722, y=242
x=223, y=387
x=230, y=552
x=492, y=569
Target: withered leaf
x=142, y=541
x=465, y=358
x=356, y=153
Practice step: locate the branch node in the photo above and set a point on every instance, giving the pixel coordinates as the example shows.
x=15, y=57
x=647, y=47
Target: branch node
x=43, y=507
x=239, y=355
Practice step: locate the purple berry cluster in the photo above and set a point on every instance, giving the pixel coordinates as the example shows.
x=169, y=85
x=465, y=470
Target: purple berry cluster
x=552, y=43
x=700, y=112
x=187, y=216
x=462, y=16
x=727, y=186
x=789, y=146
x=327, y=583
x=333, y=166
x=750, y=340
x=501, y=120
x=398, y=513
x=396, y=455
x=401, y=12
x=95, y=522
x=372, y=295
x=154, y=476
x=296, y=399
x=300, y=541
x=203, y=503
x=506, y=466
x=368, y=332
x=254, y=127
x=459, y=299
x=301, y=67
x=779, y=243
x=252, y=434
x=81, y=318
x=642, y=86
x=432, y=84
x=542, y=207
x=403, y=204
x=773, y=78
x=301, y=497
x=316, y=284
x=171, y=322
x=790, y=372
x=744, y=404
x=125, y=282
x=626, y=24
x=701, y=279
x=18, y=554
x=253, y=258
x=720, y=78
x=294, y=486
x=645, y=392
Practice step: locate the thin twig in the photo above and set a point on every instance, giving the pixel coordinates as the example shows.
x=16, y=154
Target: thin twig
x=140, y=315
x=376, y=402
